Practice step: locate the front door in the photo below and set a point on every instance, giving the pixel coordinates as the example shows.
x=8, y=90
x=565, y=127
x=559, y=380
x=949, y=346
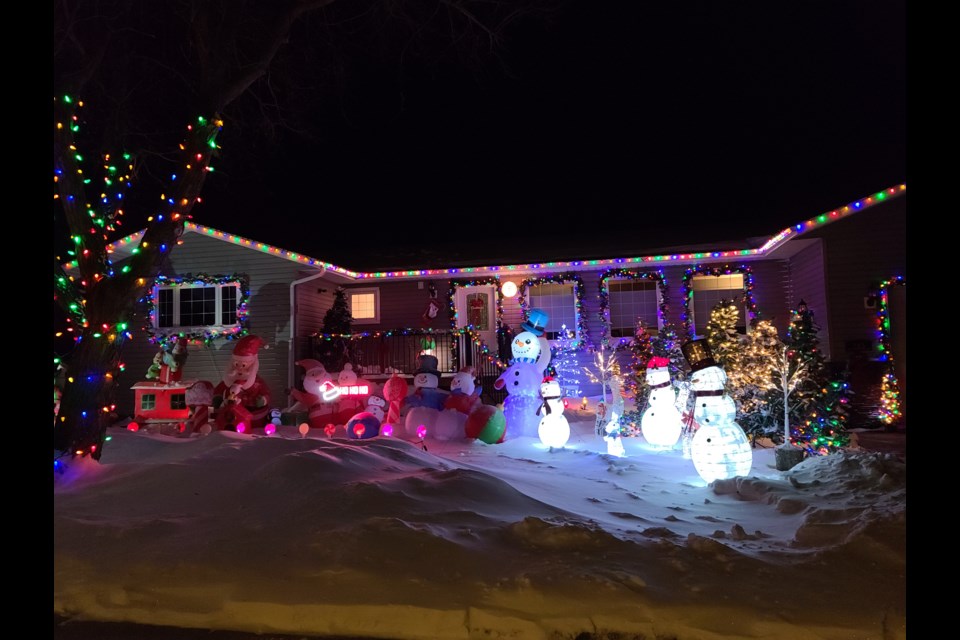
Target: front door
x=476, y=305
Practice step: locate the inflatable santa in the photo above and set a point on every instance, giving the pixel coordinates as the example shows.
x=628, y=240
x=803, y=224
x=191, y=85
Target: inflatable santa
x=242, y=396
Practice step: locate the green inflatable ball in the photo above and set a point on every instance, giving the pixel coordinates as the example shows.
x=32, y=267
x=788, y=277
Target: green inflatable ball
x=487, y=424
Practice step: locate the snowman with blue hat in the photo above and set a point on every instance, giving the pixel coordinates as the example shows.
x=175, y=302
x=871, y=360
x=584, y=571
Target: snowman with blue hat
x=530, y=345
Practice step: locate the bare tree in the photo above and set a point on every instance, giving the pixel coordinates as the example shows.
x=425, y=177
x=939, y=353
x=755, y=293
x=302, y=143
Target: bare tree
x=158, y=78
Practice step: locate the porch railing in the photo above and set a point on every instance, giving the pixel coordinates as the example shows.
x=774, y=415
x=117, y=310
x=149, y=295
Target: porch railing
x=378, y=355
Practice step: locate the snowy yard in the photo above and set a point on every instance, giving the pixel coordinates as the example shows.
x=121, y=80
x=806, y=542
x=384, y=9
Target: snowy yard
x=382, y=538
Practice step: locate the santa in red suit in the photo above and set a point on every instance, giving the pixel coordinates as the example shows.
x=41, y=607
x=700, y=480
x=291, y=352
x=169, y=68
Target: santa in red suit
x=242, y=396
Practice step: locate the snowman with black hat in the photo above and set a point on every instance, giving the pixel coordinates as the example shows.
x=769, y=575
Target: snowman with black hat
x=720, y=449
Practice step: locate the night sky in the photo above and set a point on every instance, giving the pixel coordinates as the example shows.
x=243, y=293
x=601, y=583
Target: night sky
x=593, y=130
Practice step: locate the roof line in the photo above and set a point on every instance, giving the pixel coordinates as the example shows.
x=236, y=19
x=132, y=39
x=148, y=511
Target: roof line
x=770, y=245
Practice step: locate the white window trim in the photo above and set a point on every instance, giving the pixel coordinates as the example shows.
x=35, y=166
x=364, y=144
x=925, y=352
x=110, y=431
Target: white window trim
x=178, y=328
x=376, y=305
x=609, y=317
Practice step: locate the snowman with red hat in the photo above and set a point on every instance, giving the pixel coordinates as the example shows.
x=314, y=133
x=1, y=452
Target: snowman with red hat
x=242, y=397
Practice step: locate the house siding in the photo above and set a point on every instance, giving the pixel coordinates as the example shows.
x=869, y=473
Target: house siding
x=313, y=299
x=860, y=251
x=402, y=304
x=808, y=279
x=269, y=279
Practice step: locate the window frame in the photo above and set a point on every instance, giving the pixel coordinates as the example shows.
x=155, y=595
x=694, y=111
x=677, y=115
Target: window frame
x=580, y=330
x=749, y=304
x=376, y=304
x=606, y=308
x=203, y=333
x=176, y=327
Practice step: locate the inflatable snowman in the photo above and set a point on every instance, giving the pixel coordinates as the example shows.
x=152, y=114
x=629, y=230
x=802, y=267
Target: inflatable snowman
x=521, y=380
x=530, y=345
x=660, y=422
x=554, y=430
x=423, y=406
x=720, y=449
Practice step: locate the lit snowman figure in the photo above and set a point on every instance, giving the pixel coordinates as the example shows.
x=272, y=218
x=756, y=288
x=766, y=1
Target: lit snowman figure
x=660, y=422
x=521, y=380
x=377, y=406
x=525, y=347
x=720, y=449
x=608, y=418
x=554, y=430
x=531, y=345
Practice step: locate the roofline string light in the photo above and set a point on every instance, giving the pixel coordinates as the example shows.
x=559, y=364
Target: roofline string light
x=677, y=258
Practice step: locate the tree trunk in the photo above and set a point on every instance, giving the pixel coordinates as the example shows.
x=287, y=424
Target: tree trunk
x=86, y=405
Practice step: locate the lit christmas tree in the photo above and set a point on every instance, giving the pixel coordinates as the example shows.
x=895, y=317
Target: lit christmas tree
x=641, y=350
x=334, y=350
x=759, y=401
x=724, y=341
x=564, y=365
x=821, y=402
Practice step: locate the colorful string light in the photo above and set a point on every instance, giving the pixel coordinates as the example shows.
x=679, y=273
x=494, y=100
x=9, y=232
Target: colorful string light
x=624, y=274
x=207, y=334
x=578, y=296
x=890, y=410
x=710, y=270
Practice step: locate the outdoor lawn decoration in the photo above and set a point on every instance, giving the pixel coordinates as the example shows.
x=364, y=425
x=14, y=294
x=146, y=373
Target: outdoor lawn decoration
x=420, y=416
x=608, y=417
x=487, y=424
x=394, y=392
x=450, y=424
x=318, y=396
x=199, y=397
x=522, y=383
x=523, y=347
x=720, y=448
x=554, y=430
x=242, y=395
x=464, y=392
x=660, y=423
x=363, y=426
x=426, y=382
x=377, y=406
x=352, y=395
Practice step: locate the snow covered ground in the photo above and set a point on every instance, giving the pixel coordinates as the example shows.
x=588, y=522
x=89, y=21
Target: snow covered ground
x=381, y=538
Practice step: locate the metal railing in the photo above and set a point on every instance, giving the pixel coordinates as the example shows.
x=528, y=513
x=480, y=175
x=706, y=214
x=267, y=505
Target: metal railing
x=385, y=353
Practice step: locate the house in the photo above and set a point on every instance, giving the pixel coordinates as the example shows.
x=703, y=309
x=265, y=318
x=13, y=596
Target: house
x=844, y=263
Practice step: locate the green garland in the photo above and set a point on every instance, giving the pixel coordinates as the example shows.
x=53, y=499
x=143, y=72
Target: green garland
x=617, y=272
x=707, y=270
x=207, y=335
x=578, y=291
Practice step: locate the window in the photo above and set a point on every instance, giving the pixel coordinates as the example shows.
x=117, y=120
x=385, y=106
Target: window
x=632, y=300
x=560, y=303
x=178, y=401
x=365, y=305
x=197, y=305
x=709, y=290
x=148, y=402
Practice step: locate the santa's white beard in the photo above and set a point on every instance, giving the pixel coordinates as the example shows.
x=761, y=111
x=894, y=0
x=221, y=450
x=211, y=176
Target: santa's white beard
x=233, y=376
